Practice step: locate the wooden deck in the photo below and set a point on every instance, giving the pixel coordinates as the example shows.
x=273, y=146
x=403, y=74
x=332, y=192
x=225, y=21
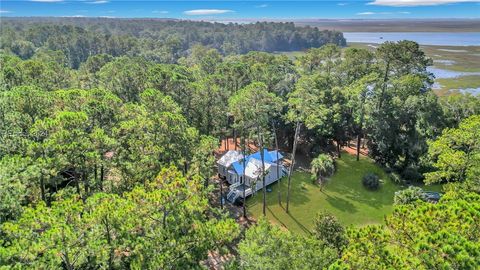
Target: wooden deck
x=239, y=189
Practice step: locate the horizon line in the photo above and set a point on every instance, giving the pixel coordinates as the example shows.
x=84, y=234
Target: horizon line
x=245, y=19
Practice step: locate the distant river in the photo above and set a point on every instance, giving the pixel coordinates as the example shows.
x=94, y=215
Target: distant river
x=423, y=38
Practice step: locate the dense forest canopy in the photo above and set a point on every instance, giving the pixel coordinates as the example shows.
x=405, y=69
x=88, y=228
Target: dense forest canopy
x=158, y=40
x=108, y=130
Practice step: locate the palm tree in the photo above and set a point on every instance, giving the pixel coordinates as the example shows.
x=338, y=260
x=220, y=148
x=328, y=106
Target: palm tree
x=278, y=173
x=260, y=143
x=295, y=141
x=322, y=166
x=220, y=180
x=244, y=153
x=363, y=96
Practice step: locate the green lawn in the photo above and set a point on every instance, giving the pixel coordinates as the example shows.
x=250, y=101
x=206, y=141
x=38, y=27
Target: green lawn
x=344, y=196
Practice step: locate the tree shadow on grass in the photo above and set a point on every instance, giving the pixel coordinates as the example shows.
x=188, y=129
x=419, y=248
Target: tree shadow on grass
x=298, y=194
x=300, y=225
x=251, y=202
x=341, y=204
x=366, y=197
x=279, y=220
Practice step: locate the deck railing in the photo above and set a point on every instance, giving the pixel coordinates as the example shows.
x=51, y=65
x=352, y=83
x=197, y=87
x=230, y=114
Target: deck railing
x=235, y=185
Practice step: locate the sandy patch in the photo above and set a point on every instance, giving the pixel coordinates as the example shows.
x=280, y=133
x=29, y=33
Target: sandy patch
x=445, y=62
x=451, y=50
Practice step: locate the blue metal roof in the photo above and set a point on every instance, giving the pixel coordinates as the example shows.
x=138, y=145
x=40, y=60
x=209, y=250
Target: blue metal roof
x=269, y=157
x=273, y=155
x=258, y=155
x=238, y=167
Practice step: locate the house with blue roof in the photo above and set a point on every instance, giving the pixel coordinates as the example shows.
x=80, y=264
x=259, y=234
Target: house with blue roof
x=245, y=174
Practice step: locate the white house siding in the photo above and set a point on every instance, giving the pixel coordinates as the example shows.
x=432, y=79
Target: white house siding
x=232, y=177
x=252, y=171
x=249, y=181
x=222, y=170
x=270, y=178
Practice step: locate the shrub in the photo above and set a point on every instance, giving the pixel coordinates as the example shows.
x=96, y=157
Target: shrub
x=411, y=175
x=408, y=195
x=328, y=229
x=303, y=186
x=388, y=169
x=371, y=181
x=397, y=178
x=322, y=166
x=266, y=246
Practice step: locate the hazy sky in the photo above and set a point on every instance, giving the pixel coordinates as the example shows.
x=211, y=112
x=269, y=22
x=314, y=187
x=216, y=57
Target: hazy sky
x=359, y=9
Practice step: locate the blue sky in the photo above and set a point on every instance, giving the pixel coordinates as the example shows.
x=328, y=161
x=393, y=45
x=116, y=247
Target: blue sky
x=224, y=10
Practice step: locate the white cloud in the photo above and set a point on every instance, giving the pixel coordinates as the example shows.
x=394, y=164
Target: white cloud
x=46, y=1
x=368, y=13
x=262, y=6
x=342, y=4
x=2, y=11
x=97, y=2
x=410, y=3
x=194, y=12
x=74, y=16
x=160, y=11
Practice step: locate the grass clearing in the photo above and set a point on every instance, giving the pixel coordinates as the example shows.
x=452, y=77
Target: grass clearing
x=460, y=83
x=343, y=196
x=292, y=55
x=465, y=58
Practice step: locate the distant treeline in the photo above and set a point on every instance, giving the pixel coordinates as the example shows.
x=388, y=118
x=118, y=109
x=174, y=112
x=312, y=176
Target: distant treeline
x=157, y=40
